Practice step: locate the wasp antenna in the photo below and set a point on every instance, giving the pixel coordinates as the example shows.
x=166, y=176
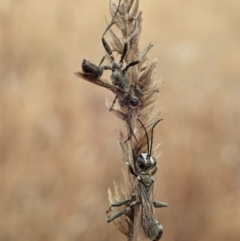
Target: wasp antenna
x=150, y=151
x=146, y=136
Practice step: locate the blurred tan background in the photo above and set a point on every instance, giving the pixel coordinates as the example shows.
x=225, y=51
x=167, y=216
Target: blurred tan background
x=59, y=151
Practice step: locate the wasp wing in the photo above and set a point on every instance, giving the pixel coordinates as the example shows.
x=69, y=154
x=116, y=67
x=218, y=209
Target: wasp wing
x=99, y=81
x=151, y=227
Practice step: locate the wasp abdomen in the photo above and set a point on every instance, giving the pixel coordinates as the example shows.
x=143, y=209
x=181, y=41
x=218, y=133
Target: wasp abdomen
x=91, y=69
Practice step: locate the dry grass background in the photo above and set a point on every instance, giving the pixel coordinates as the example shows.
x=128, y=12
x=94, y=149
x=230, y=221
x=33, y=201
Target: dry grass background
x=59, y=151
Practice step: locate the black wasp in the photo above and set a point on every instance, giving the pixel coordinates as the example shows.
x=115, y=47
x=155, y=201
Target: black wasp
x=121, y=85
x=144, y=167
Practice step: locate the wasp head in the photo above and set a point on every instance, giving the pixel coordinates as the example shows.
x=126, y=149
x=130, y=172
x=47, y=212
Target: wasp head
x=146, y=162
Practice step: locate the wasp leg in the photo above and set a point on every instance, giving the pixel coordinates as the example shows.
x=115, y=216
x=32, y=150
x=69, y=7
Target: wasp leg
x=105, y=44
x=149, y=92
x=125, y=48
x=158, y=204
x=131, y=132
x=154, y=170
x=103, y=58
x=122, y=202
x=130, y=135
x=114, y=101
x=135, y=62
x=122, y=212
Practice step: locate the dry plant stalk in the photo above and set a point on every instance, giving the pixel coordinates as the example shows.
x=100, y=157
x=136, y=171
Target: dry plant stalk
x=141, y=75
x=143, y=88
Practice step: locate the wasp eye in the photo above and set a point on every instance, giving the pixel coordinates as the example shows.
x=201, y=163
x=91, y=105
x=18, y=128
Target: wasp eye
x=146, y=162
x=141, y=162
x=154, y=162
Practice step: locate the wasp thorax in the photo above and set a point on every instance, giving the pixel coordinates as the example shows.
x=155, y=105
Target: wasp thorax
x=116, y=65
x=146, y=162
